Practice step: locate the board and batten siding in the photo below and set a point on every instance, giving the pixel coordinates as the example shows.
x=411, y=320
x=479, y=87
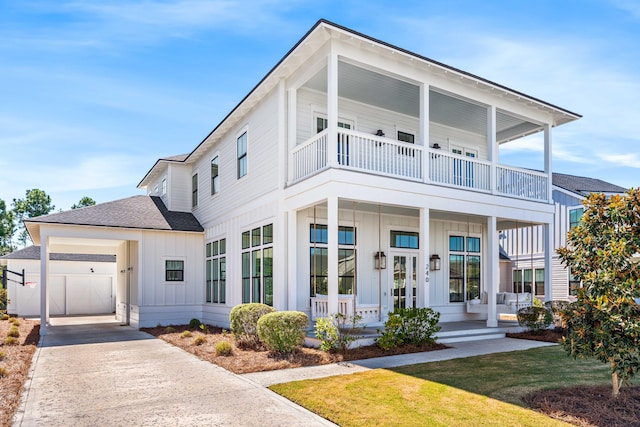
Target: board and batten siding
x=179, y=187
x=369, y=119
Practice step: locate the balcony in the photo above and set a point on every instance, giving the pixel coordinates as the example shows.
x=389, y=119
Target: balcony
x=363, y=152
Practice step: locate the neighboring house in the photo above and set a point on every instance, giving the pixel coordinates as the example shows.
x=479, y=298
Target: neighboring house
x=355, y=176
x=79, y=283
x=527, y=254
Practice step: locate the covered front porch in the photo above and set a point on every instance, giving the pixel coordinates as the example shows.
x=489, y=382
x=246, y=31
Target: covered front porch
x=355, y=257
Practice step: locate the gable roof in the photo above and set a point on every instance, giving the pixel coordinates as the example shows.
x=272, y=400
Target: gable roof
x=137, y=212
x=582, y=186
x=33, y=252
x=320, y=32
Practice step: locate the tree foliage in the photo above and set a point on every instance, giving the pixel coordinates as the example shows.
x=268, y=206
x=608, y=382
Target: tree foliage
x=35, y=203
x=83, y=203
x=604, y=322
x=7, y=229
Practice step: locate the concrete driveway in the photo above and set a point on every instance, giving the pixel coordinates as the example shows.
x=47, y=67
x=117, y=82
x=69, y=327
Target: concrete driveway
x=107, y=374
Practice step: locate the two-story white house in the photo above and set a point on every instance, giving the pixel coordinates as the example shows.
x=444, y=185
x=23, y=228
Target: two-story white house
x=525, y=247
x=356, y=176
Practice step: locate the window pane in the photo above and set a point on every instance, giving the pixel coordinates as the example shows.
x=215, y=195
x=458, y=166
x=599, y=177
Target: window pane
x=318, y=233
x=214, y=248
x=456, y=278
x=267, y=255
x=214, y=175
x=318, y=268
x=174, y=271
x=527, y=280
x=223, y=246
x=267, y=234
x=256, y=267
x=346, y=236
x=406, y=137
x=539, y=281
x=473, y=244
x=194, y=190
x=517, y=280
x=208, y=251
x=216, y=277
x=223, y=279
x=456, y=243
x=346, y=270
x=246, y=277
x=321, y=124
x=208, y=274
x=404, y=239
x=473, y=277
x=255, y=237
x=246, y=240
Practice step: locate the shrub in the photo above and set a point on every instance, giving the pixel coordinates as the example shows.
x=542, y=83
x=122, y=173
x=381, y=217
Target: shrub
x=4, y=301
x=409, y=326
x=2, y=355
x=534, y=319
x=3, y=372
x=283, y=331
x=224, y=348
x=11, y=341
x=336, y=332
x=5, y=316
x=169, y=329
x=13, y=332
x=186, y=334
x=194, y=323
x=557, y=308
x=200, y=340
x=244, y=322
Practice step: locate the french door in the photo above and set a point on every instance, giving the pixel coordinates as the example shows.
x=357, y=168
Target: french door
x=403, y=290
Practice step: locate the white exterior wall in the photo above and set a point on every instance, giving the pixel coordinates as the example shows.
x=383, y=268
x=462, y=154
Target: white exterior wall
x=69, y=281
x=369, y=119
x=179, y=187
x=158, y=301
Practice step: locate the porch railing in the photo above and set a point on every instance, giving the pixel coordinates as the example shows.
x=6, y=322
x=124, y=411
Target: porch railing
x=320, y=308
x=384, y=156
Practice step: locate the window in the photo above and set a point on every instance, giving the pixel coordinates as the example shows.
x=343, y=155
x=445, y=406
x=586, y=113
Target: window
x=257, y=265
x=216, y=273
x=464, y=268
x=527, y=280
x=194, y=190
x=242, y=155
x=575, y=216
x=406, y=137
x=164, y=186
x=539, y=281
x=318, y=253
x=215, y=179
x=174, y=270
x=404, y=239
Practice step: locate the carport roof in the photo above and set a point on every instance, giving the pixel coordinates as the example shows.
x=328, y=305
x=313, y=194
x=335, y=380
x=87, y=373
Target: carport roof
x=33, y=252
x=137, y=212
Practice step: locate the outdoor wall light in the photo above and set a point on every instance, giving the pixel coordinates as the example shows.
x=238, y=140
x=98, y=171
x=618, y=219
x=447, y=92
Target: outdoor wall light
x=380, y=260
x=379, y=133
x=436, y=146
x=434, y=262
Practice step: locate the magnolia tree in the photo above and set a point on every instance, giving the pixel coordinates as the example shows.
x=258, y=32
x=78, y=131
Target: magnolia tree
x=602, y=251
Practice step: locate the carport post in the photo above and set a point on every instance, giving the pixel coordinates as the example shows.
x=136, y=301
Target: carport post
x=44, y=291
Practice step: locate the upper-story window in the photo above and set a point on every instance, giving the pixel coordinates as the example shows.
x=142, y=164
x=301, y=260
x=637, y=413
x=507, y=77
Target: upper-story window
x=242, y=155
x=194, y=190
x=164, y=186
x=406, y=137
x=575, y=215
x=215, y=178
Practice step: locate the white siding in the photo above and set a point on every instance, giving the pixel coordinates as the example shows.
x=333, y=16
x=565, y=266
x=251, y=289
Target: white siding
x=179, y=188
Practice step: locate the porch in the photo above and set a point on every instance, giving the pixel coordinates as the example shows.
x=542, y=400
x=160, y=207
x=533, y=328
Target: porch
x=379, y=155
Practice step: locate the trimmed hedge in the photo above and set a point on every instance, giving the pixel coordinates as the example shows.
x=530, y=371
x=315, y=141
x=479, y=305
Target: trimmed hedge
x=283, y=331
x=409, y=326
x=534, y=319
x=243, y=320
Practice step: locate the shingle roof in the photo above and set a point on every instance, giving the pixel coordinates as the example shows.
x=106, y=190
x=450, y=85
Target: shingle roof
x=33, y=252
x=583, y=186
x=139, y=212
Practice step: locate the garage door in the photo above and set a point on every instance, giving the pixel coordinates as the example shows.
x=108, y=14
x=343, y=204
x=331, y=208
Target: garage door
x=89, y=295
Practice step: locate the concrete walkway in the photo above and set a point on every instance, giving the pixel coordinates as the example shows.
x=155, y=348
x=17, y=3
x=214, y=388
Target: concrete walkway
x=106, y=374
x=457, y=350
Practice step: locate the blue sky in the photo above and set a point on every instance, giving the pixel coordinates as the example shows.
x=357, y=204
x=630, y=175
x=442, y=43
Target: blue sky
x=93, y=92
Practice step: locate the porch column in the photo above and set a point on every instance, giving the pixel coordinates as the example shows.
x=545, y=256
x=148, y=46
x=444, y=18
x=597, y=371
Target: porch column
x=292, y=95
x=492, y=147
x=493, y=271
x=332, y=253
x=292, y=251
x=425, y=251
x=547, y=161
x=332, y=109
x=424, y=133
x=44, y=289
x=548, y=261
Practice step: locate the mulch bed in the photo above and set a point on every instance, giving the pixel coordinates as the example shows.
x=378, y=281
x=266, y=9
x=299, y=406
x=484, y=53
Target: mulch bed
x=248, y=360
x=546, y=335
x=16, y=362
x=590, y=406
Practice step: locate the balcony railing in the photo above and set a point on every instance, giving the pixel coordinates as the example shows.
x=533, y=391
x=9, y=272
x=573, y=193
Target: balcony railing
x=383, y=156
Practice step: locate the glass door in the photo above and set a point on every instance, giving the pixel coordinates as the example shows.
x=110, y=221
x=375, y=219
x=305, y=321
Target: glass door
x=403, y=292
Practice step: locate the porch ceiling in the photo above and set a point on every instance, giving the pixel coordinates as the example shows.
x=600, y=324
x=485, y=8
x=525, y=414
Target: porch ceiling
x=393, y=94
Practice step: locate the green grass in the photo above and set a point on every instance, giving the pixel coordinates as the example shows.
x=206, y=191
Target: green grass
x=475, y=391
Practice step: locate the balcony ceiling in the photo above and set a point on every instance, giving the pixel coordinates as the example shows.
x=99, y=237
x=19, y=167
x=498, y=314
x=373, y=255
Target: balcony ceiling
x=389, y=93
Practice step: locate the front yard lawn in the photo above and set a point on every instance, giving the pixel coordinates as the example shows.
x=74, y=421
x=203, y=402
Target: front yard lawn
x=476, y=391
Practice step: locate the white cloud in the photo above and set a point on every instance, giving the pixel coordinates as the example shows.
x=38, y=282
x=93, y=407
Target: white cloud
x=630, y=160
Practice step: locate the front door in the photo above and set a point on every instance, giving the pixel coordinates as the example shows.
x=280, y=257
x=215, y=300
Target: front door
x=404, y=280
